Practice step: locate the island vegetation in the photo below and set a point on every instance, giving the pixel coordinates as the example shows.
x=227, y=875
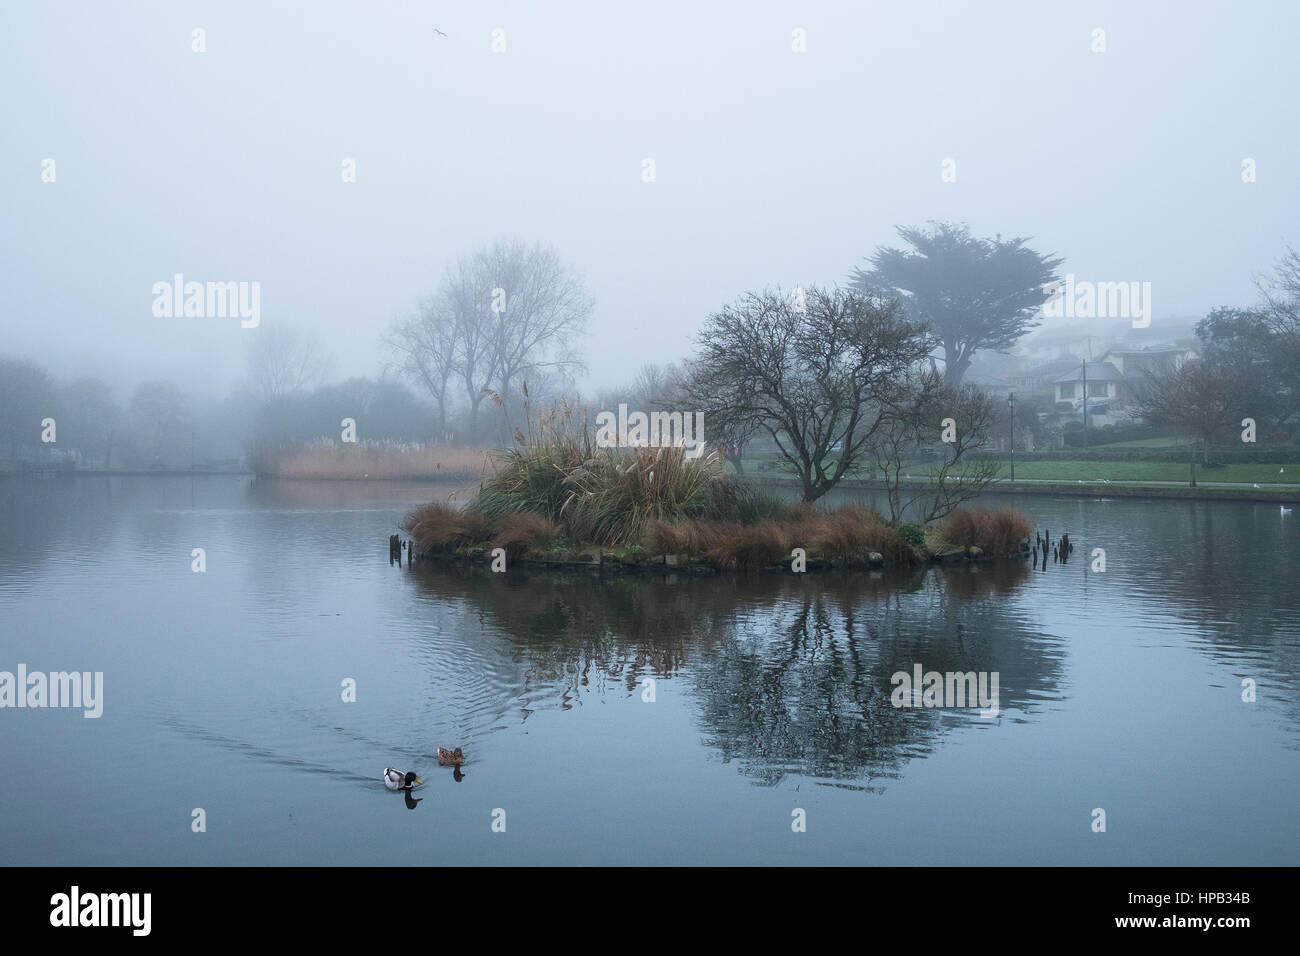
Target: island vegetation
x=556, y=496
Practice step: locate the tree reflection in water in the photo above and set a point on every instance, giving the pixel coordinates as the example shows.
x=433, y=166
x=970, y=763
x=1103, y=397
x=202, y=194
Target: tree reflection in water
x=786, y=673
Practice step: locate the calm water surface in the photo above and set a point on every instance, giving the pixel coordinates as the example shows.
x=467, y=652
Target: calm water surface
x=222, y=691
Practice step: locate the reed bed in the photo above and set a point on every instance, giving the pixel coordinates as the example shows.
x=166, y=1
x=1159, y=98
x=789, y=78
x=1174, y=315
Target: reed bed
x=368, y=460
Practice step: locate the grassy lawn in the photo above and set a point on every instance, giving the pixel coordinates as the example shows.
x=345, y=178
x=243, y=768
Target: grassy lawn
x=1144, y=471
x=1147, y=443
x=1262, y=474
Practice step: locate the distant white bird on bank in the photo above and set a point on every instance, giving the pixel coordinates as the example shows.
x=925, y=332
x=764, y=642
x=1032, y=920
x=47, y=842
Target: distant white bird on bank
x=1255, y=485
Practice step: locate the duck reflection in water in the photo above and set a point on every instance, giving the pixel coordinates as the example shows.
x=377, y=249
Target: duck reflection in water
x=411, y=800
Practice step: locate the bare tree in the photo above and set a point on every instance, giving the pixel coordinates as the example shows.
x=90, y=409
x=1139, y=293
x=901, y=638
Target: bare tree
x=815, y=376
x=283, y=359
x=539, y=311
x=1195, y=400
x=466, y=292
x=426, y=347
x=915, y=419
x=1281, y=307
x=726, y=428
x=506, y=313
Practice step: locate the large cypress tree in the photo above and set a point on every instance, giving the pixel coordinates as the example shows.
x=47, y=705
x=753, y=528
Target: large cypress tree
x=973, y=293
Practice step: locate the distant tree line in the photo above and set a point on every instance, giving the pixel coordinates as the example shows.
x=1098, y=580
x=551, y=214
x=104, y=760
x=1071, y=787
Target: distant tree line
x=157, y=424
x=837, y=382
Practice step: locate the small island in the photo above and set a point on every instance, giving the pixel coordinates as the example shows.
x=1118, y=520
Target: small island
x=558, y=499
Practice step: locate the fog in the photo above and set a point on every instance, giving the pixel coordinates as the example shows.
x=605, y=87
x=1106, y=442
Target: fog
x=772, y=167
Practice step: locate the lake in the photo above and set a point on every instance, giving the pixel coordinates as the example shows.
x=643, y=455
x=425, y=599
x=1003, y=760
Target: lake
x=223, y=692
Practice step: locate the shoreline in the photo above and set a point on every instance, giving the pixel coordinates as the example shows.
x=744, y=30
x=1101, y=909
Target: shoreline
x=1087, y=489
x=605, y=560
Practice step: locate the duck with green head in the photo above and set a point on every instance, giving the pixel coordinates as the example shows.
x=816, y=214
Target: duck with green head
x=396, y=780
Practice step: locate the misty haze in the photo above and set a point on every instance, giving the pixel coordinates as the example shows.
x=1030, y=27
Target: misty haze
x=674, y=434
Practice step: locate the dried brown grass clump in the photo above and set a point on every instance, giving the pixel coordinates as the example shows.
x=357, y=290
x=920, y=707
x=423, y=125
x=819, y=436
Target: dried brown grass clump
x=475, y=528
x=852, y=533
x=680, y=538
x=965, y=528
x=995, y=531
x=735, y=546
x=521, y=533
x=442, y=527
x=805, y=527
x=433, y=525
x=848, y=533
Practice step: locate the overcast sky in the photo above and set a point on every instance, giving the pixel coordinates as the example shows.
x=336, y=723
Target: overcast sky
x=773, y=167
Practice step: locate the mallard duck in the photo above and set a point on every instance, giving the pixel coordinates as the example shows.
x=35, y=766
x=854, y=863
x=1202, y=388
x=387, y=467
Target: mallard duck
x=450, y=758
x=396, y=780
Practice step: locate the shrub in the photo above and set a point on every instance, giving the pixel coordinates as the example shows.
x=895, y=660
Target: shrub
x=611, y=496
x=912, y=534
x=614, y=495
x=531, y=478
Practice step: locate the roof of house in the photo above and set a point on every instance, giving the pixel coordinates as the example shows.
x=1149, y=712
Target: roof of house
x=1097, y=372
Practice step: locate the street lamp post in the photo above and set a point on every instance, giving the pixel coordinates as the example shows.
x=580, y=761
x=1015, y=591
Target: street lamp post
x=1011, y=402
